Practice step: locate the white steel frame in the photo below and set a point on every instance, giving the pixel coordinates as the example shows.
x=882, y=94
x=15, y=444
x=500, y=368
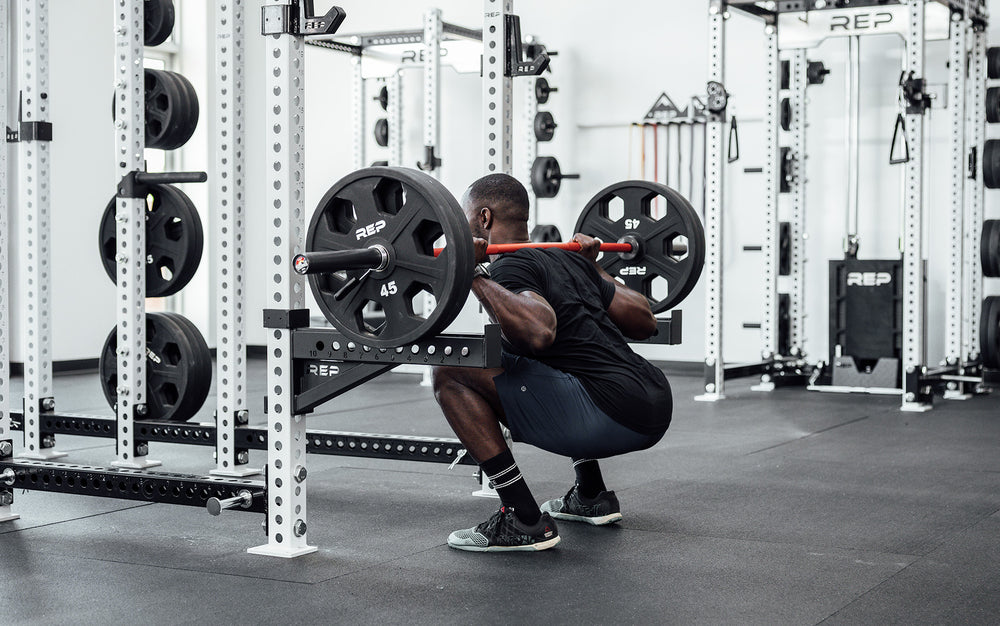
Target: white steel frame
x=228, y=196
x=799, y=63
x=972, y=277
x=284, y=74
x=34, y=165
x=130, y=219
x=714, y=160
x=497, y=88
x=5, y=431
x=914, y=312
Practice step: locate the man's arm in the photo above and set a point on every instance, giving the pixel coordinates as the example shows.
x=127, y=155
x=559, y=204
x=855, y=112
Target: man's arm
x=629, y=309
x=526, y=319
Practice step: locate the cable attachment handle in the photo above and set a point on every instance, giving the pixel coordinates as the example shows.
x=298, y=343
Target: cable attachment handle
x=900, y=126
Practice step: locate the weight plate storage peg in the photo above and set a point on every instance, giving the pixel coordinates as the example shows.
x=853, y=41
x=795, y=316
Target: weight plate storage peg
x=547, y=177
x=993, y=105
x=178, y=368
x=402, y=214
x=545, y=126
x=158, y=21
x=382, y=132
x=991, y=163
x=174, y=240
x=542, y=90
x=989, y=332
x=669, y=251
x=989, y=250
x=545, y=233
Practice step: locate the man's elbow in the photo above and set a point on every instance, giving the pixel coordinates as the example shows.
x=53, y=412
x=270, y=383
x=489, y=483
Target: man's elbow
x=541, y=340
x=644, y=327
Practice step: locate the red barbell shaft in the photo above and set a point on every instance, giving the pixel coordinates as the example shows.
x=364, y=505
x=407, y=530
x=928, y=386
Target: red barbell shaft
x=503, y=248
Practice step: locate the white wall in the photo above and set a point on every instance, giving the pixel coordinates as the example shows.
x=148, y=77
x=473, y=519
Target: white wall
x=612, y=65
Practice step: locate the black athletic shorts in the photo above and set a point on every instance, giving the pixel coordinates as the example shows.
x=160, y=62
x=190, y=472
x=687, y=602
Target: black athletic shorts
x=551, y=410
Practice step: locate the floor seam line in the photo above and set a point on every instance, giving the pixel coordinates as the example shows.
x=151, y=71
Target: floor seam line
x=812, y=434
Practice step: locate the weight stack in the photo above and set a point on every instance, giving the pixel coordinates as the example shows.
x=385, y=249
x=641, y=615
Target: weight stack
x=866, y=322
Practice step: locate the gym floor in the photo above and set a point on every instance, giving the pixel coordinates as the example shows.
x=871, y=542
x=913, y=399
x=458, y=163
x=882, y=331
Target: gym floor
x=785, y=508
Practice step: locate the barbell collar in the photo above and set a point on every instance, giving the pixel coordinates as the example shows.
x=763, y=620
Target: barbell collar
x=373, y=257
x=242, y=500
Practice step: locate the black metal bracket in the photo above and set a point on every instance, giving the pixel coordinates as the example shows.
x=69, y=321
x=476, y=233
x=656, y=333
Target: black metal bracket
x=286, y=319
x=515, y=64
x=431, y=161
x=668, y=330
x=124, y=484
x=136, y=184
x=29, y=131
x=299, y=18
x=914, y=93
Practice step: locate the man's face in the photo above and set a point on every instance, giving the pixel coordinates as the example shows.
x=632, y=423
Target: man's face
x=474, y=215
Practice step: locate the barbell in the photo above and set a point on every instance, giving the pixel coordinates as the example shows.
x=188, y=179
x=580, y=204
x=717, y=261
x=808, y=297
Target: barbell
x=396, y=238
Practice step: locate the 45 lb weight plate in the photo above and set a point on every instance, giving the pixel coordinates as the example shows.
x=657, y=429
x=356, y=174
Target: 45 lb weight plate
x=670, y=250
x=406, y=214
x=174, y=240
x=989, y=332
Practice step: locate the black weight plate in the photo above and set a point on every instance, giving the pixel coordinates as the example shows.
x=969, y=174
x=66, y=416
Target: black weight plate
x=407, y=212
x=175, y=390
x=786, y=74
x=989, y=250
x=786, y=114
x=382, y=132
x=542, y=90
x=993, y=105
x=993, y=62
x=545, y=126
x=991, y=163
x=546, y=177
x=174, y=240
x=158, y=21
x=383, y=98
x=989, y=332
x=183, y=120
x=162, y=95
x=662, y=270
x=201, y=369
x=545, y=233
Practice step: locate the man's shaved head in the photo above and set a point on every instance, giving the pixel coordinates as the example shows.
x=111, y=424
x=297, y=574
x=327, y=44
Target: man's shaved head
x=503, y=195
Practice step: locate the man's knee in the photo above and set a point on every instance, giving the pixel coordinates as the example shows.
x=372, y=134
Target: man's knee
x=444, y=380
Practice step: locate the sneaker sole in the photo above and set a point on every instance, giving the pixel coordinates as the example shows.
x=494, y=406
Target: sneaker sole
x=535, y=547
x=603, y=520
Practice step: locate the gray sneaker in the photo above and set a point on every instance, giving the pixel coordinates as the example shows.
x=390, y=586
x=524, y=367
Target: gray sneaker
x=503, y=532
x=599, y=511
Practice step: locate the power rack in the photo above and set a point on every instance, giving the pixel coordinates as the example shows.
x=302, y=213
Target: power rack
x=791, y=27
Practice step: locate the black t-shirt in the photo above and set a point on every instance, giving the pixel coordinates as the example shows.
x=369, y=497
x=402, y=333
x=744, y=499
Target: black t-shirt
x=588, y=345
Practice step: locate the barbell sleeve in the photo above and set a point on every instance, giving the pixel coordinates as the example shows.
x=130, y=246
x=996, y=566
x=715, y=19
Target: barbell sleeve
x=242, y=500
x=328, y=262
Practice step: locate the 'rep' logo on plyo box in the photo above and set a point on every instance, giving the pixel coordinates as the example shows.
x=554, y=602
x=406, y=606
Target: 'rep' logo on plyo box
x=868, y=279
x=369, y=230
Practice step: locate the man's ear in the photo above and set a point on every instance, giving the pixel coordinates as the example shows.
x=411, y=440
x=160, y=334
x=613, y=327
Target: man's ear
x=485, y=217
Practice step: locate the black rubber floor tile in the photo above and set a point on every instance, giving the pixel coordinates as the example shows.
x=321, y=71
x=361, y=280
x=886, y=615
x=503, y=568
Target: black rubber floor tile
x=47, y=509
x=959, y=583
x=39, y=589
x=610, y=576
x=357, y=517
x=854, y=506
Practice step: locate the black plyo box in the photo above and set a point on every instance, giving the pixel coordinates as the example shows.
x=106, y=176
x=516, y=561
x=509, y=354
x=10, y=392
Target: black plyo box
x=866, y=309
